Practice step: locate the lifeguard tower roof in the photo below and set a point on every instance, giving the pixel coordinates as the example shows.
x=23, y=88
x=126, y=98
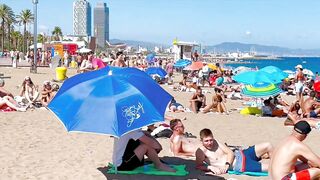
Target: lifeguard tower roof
x=184, y=43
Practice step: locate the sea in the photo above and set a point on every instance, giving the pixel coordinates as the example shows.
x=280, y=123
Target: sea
x=284, y=63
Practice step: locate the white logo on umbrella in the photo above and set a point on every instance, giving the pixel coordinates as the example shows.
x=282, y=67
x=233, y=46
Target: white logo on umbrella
x=132, y=113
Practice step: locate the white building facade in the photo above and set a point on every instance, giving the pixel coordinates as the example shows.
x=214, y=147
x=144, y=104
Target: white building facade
x=81, y=18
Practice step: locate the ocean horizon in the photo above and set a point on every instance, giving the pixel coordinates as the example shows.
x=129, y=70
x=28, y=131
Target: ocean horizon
x=284, y=63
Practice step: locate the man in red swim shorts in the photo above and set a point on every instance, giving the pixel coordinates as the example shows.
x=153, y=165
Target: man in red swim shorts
x=294, y=160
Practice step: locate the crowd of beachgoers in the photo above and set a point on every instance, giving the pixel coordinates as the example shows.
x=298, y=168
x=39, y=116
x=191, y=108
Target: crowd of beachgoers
x=292, y=159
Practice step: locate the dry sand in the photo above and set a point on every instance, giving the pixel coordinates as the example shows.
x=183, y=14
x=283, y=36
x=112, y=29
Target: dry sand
x=35, y=145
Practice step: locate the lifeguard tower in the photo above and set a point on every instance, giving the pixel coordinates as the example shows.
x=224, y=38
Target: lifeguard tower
x=183, y=50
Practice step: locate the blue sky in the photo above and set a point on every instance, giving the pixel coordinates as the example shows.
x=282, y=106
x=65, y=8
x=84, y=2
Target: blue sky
x=286, y=23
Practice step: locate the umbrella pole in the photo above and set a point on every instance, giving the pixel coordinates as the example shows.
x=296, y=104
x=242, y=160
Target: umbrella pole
x=114, y=161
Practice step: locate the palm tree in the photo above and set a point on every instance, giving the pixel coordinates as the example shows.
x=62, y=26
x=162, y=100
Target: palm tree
x=25, y=17
x=57, y=33
x=41, y=38
x=6, y=14
x=16, y=37
x=10, y=21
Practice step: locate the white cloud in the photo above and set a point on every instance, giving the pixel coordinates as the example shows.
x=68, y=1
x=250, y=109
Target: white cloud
x=248, y=33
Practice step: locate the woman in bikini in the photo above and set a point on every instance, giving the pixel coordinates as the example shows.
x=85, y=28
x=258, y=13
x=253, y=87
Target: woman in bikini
x=29, y=90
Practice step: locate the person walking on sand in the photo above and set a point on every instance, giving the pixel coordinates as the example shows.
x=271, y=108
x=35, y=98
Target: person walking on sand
x=129, y=151
x=293, y=159
x=216, y=158
x=299, y=79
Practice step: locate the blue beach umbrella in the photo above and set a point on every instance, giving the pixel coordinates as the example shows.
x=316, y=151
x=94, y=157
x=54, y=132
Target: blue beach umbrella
x=277, y=74
x=261, y=90
x=182, y=63
x=110, y=101
x=253, y=77
x=151, y=57
x=156, y=70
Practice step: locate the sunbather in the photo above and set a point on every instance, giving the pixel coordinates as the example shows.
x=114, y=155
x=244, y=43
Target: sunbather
x=46, y=93
x=310, y=107
x=198, y=100
x=3, y=91
x=216, y=158
x=10, y=102
x=180, y=144
x=129, y=151
x=176, y=107
x=29, y=90
x=218, y=103
x=293, y=159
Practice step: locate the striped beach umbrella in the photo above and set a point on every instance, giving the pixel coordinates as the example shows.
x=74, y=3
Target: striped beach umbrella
x=261, y=90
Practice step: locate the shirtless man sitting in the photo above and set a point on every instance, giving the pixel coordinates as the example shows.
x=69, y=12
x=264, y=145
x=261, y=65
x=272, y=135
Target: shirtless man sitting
x=310, y=106
x=216, y=158
x=198, y=100
x=180, y=145
x=292, y=159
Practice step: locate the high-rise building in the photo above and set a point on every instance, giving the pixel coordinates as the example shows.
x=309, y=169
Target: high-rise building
x=101, y=24
x=81, y=18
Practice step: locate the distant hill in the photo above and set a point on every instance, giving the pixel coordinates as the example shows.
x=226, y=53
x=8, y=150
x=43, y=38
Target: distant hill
x=232, y=47
x=261, y=49
x=133, y=43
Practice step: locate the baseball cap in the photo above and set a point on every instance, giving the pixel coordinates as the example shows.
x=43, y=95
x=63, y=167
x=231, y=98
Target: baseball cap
x=299, y=66
x=302, y=127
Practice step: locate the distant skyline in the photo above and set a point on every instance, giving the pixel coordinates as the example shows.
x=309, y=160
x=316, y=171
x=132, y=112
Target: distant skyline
x=286, y=23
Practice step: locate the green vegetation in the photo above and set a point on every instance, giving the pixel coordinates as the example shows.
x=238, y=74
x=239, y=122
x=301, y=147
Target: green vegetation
x=10, y=35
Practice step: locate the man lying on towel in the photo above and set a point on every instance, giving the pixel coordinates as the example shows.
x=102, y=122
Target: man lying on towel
x=294, y=160
x=216, y=158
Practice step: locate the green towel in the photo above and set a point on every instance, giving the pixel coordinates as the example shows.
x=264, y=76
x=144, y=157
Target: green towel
x=149, y=169
x=249, y=173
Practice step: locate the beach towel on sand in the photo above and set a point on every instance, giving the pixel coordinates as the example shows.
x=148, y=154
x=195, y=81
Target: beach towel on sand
x=6, y=108
x=149, y=169
x=249, y=173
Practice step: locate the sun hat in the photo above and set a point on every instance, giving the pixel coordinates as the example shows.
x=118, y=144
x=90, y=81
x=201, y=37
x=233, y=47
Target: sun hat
x=46, y=82
x=302, y=127
x=299, y=66
x=27, y=78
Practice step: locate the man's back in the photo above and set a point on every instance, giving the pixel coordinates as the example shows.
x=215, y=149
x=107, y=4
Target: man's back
x=308, y=105
x=284, y=157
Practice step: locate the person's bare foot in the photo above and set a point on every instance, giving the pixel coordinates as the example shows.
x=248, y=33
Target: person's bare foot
x=164, y=167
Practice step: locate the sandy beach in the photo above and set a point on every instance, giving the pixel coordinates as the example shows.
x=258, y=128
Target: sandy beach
x=35, y=144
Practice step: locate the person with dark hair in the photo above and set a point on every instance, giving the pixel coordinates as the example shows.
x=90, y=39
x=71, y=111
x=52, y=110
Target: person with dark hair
x=120, y=60
x=181, y=143
x=29, y=90
x=216, y=158
x=310, y=106
x=198, y=100
x=292, y=159
x=218, y=103
x=299, y=79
